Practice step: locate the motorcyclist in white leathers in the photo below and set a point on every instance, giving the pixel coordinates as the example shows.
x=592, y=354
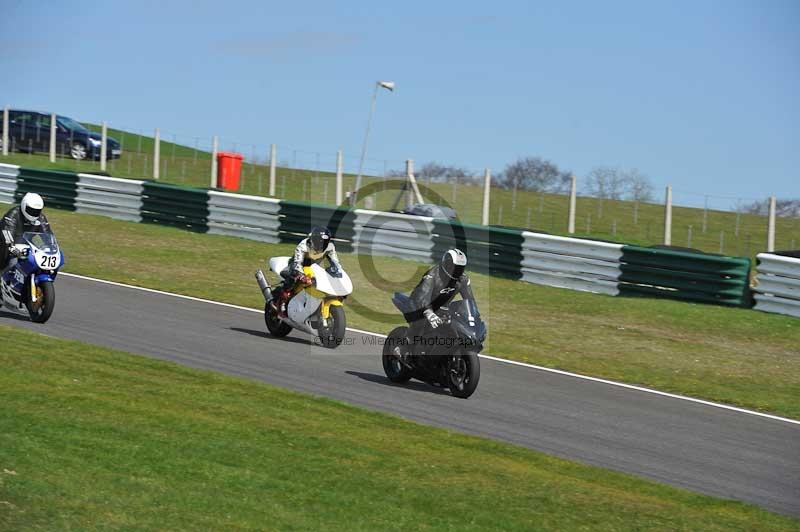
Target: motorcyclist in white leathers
x=313, y=249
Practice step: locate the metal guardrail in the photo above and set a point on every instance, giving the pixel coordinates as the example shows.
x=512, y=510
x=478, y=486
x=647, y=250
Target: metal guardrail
x=565, y=262
x=572, y=263
x=298, y=218
x=777, y=287
x=250, y=217
x=8, y=182
x=393, y=235
x=183, y=207
x=491, y=250
x=684, y=275
x=59, y=189
x=110, y=196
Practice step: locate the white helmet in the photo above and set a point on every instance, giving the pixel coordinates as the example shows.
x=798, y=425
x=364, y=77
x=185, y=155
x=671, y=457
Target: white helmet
x=452, y=264
x=31, y=207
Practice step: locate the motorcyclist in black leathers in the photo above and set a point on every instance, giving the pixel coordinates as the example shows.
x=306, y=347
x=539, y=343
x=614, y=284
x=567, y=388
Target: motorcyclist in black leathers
x=313, y=249
x=27, y=217
x=436, y=289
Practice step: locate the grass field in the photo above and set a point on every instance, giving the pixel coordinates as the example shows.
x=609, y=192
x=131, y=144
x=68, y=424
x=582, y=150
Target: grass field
x=734, y=356
x=622, y=221
x=94, y=439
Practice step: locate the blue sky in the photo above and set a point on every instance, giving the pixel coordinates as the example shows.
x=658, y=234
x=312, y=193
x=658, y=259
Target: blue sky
x=700, y=95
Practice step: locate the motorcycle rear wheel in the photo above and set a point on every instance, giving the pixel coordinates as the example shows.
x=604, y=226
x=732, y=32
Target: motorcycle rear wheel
x=41, y=311
x=394, y=369
x=463, y=373
x=275, y=326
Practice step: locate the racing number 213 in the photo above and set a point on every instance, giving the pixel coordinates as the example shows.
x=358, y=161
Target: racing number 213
x=49, y=262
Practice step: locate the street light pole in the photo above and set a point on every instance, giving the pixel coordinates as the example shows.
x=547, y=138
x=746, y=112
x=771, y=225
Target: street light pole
x=389, y=85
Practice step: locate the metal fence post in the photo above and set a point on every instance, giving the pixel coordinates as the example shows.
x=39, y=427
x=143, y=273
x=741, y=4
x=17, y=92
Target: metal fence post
x=487, y=183
x=214, y=149
x=572, y=200
x=157, y=155
x=339, y=166
x=52, y=137
x=771, y=226
x=103, y=147
x=668, y=218
x=273, y=157
x=5, y=131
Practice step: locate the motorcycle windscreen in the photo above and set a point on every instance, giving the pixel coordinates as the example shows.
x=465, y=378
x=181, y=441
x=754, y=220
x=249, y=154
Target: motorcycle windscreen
x=45, y=242
x=334, y=286
x=466, y=308
x=278, y=264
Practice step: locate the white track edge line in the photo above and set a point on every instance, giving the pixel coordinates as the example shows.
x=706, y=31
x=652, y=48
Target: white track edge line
x=488, y=357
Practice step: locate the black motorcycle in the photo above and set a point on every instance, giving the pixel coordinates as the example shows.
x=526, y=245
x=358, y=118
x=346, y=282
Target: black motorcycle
x=446, y=356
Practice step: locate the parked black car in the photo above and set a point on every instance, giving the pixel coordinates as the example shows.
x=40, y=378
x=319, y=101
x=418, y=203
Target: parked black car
x=29, y=131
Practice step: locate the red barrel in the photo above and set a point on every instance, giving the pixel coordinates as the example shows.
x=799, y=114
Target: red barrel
x=229, y=169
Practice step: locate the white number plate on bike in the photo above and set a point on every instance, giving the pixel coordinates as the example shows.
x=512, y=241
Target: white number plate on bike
x=47, y=262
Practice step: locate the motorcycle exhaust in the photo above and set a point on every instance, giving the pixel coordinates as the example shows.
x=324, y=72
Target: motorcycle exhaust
x=266, y=291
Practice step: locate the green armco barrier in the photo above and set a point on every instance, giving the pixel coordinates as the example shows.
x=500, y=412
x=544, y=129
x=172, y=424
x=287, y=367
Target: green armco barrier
x=59, y=189
x=174, y=205
x=298, y=218
x=489, y=250
x=682, y=295
x=685, y=260
x=685, y=275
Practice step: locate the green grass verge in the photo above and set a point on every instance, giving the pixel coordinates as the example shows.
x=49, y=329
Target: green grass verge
x=95, y=439
x=622, y=221
x=735, y=356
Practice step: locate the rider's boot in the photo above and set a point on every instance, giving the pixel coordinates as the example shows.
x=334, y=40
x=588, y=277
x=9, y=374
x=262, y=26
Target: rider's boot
x=283, y=302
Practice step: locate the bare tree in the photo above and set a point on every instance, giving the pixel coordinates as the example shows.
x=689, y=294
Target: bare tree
x=438, y=173
x=534, y=173
x=786, y=208
x=639, y=187
x=608, y=182
x=441, y=172
x=605, y=182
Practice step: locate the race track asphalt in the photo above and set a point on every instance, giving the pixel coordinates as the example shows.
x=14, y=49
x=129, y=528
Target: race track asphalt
x=703, y=448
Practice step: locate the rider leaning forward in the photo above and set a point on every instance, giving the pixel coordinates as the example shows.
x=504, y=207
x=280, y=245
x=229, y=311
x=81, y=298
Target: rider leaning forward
x=436, y=289
x=313, y=249
x=26, y=218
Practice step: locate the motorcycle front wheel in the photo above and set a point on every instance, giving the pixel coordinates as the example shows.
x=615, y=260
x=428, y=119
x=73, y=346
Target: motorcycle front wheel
x=333, y=335
x=42, y=309
x=463, y=373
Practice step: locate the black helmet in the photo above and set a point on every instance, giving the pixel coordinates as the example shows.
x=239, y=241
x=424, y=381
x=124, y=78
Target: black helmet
x=453, y=263
x=318, y=239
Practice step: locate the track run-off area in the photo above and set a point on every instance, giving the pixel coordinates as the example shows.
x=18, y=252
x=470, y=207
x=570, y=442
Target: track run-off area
x=705, y=447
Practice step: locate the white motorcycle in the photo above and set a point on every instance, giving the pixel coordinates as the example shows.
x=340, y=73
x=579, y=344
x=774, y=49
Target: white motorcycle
x=316, y=308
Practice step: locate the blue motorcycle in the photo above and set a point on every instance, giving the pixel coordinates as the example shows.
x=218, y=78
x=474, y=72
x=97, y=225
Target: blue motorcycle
x=27, y=282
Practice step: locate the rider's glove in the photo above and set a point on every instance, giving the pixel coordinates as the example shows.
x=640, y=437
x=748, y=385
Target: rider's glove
x=18, y=251
x=433, y=319
x=304, y=279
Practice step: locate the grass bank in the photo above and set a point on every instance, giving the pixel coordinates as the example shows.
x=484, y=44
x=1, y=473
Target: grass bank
x=735, y=356
x=95, y=439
